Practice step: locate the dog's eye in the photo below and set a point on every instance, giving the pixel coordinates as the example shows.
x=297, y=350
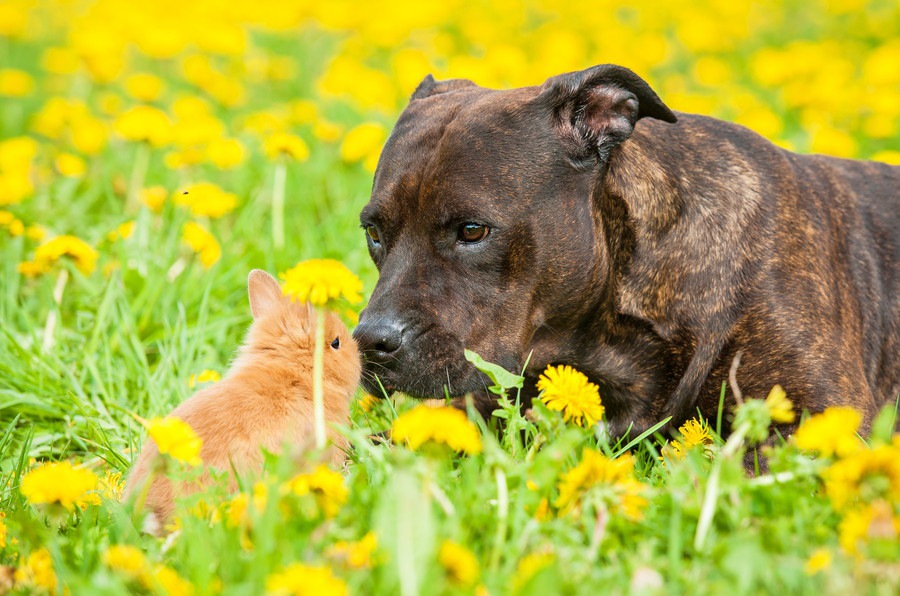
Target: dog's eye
x=471, y=233
x=372, y=233
x=336, y=343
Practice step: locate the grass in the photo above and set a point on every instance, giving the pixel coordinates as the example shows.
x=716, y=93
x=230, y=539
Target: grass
x=128, y=335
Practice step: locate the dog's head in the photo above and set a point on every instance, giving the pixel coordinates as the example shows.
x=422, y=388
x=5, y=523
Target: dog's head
x=482, y=226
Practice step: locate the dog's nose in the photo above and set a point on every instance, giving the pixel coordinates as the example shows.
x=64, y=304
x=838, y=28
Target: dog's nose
x=378, y=341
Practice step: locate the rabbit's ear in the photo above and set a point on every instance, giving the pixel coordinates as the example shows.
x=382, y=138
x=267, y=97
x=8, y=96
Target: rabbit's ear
x=265, y=293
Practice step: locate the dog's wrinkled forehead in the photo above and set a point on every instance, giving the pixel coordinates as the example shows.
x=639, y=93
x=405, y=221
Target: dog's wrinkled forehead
x=449, y=137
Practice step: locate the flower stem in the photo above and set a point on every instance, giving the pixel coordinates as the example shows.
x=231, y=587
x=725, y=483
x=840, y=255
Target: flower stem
x=52, y=316
x=318, y=401
x=502, y=514
x=732, y=445
x=138, y=173
x=278, y=204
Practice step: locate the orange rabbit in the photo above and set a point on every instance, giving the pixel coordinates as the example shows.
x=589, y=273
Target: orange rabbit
x=265, y=400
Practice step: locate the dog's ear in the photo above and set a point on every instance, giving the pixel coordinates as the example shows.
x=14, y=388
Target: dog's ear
x=598, y=107
x=265, y=293
x=429, y=87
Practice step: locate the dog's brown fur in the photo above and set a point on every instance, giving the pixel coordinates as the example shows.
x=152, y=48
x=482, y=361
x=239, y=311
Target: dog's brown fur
x=642, y=248
x=265, y=401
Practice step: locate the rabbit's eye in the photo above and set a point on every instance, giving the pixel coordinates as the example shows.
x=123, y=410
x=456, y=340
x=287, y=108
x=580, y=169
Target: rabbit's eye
x=336, y=343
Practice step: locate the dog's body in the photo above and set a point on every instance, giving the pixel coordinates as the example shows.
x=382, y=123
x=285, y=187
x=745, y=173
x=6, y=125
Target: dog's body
x=643, y=251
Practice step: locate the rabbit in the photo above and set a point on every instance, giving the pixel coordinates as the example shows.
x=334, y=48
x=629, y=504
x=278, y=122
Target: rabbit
x=265, y=400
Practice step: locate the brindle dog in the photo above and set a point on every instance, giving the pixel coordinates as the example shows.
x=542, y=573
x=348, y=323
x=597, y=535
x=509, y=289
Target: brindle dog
x=583, y=222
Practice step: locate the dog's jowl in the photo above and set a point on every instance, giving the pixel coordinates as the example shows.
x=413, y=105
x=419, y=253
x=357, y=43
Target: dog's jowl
x=582, y=222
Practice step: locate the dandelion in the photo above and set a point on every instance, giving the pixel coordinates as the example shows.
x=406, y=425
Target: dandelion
x=448, y=426
x=693, y=433
x=367, y=402
x=363, y=143
x=171, y=583
x=568, y=391
x=32, y=268
x=202, y=242
x=3, y=530
x=326, y=485
x=833, y=432
x=122, y=232
x=205, y=376
x=58, y=483
x=355, y=555
x=819, y=560
x=865, y=475
x=82, y=254
x=780, y=407
x=611, y=479
x=286, y=145
x=319, y=281
x=175, y=437
x=37, y=571
x=225, y=153
x=281, y=146
x=459, y=563
x=126, y=559
x=298, y=579
x=111, y=486
x=70, y=165
x=205, y=199
x=36, y=232
x=144, y=86
x=153, y=198
x=15, y=83
x=144, y=124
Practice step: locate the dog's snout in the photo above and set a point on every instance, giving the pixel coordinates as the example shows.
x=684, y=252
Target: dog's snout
x=379, y=341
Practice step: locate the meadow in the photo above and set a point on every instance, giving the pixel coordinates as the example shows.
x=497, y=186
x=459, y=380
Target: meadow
x=152, y=154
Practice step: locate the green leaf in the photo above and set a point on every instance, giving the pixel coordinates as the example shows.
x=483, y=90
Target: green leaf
x=502, y=378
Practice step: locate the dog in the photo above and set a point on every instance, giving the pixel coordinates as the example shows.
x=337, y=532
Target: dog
x=583, y=222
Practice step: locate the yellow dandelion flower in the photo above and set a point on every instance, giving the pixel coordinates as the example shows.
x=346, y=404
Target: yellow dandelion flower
x=15, y=83
x=304, y=111
x=202, y=242
x=285, y=144
x=819, y=560
x=459, y=563
x=205, y=199
x=144, y=86
x=154, y=198
x=16, y=228
x=225, y=153
x=58, y=482
x=779, y=406
x=363, y=143
x=17, y=153
x=112, y=486
x=122, y=232
x=568, y=391
x=695, y=432
x=528, y=567
x=448, y=426
x=82, y=253
x=32, y=268
x=70, y=166
x=326, y=485
x=367, y=402
x=62, y=61
x=37, y=571
x=15, y=187
x=320, y=280
x=175, y=437
x=171, y=583
x=88, y=134
x=327, y=131
x=3, y=530
x=863, y=476
x=126, y=559
x=36, y=232
x=833, y=432
x=543, y=513
x=873, y=521
x=145, y=124
x=613, y=479
x=298, y=579
x=355, y=555
x=205, y=376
